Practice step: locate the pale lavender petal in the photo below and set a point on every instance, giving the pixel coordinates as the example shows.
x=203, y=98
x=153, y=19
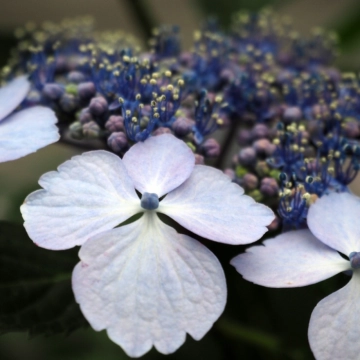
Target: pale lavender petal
x=334, y=329
x=210, y=205
x=89, y=194
x=292, y=259
x=12, y=94
x=148, y=286
x=26, y=131
x=160, y=164
x=334, y=219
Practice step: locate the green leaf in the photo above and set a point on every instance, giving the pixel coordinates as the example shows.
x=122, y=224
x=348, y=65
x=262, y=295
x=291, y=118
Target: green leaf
x=35, y=286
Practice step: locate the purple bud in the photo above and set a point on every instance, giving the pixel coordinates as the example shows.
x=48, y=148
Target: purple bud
x=68, y=103
x=91, y=130
x=85, y=116
x=53, y=91
x=199, y=159
x=269, y=186
x=274, y=224
x=262, y=168
x=75, y=77
x=182, y=126
x=247, y=156
x=244, y=137
x=98, y=106
x=264, y=147
x=86, y=90
x=211, y=148
x=260, y=131
x=250, y=181
x=117, y=142
x=227, y=75
x=292, y=113
x=230, y=173
x=115, y=123
x=161, y=130
x=351, y=129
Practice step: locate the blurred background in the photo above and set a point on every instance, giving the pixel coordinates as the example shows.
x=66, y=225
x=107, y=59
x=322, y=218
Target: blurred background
x=258, y=323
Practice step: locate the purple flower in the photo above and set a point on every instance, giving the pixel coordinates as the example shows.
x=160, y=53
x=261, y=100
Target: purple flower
x=25, y=131
x=304, y=257
x=146, y=284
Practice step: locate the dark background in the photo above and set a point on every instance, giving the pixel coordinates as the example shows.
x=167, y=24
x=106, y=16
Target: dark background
x=258, y=323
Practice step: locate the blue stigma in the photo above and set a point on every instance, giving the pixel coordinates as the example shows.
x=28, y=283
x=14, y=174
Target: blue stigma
x=355, y=260
x=149, y=201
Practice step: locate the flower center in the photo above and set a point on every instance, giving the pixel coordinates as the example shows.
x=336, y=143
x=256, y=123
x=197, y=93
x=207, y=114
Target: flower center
x=149, y=201
x=355, y=260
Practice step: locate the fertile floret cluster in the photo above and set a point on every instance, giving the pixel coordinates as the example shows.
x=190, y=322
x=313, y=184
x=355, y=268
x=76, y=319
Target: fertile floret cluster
x=295, y=116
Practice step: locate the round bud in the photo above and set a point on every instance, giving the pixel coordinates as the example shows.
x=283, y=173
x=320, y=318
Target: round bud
x=230, y=173
x=68, y=103
x=117, y=142
x=244, y=137
x=269, y=187
x=199, y=159
x=86, y=90
x=75, y=77
x=85, y=116
x=115, y=123
x=292, y=113
x=264, y=147
x=250, y=181
x=53, y=91
x=260, y=131
x=247, y=156
x=211, y=148
x=91, y=130
x=182, y=126
x=98, y=106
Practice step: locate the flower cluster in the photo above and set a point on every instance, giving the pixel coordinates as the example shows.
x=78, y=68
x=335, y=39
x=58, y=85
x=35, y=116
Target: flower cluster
x=295, y=121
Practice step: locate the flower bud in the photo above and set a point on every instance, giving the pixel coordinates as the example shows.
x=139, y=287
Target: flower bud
x=264, y=147
x=85, y=116
x=260, y=131
x=53, y=91
x=199, y=159
x=250, y=181
x=86, y=90
x=115, y=123
x=230, y=173
x=117, y=142
x=91, y=130
x=68, y=103
x=182, y=126
x=247, y=156
x=211, y=148
x=98, y=106
x=244, y=137
x=75, y=77
x=292, y=113
x=269, y=186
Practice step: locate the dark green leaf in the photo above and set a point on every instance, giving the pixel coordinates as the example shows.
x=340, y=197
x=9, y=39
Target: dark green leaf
x=35, y=286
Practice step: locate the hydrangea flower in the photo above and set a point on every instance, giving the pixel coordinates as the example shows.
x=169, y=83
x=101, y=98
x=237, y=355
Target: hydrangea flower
x=26, y=131
x=143, y=282
x=304, y=257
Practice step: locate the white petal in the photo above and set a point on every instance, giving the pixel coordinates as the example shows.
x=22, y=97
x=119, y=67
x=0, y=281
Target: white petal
x=26, y=131
x=160, y=164
x=334, y=329
x=12, y=95
x=292, y=259
x=149, y=286
x=334, y=219
x=210, y=205
x=88, y=194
